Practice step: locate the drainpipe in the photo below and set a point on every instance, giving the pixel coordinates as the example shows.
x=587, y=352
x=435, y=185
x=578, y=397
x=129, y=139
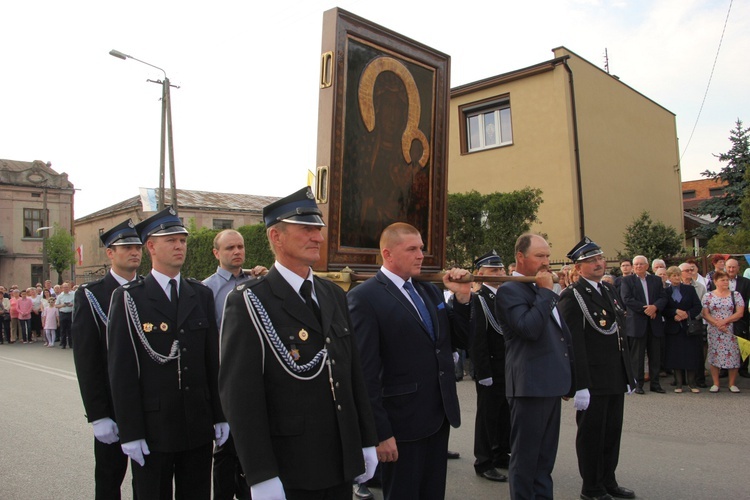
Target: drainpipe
x=582, y=227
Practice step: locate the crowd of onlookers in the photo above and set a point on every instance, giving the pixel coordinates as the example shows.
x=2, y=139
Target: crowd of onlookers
x=37, y=313
x=701, y=318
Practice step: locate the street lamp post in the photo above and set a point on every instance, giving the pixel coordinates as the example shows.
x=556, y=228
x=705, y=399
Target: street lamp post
x=166, y=131
x=45, y=257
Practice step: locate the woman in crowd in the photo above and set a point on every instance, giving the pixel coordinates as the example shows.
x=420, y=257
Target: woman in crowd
x=721, y=308
x=25, y=306
x=683, y=352
x=14, y=324
x=46, y=295
x=36, y=313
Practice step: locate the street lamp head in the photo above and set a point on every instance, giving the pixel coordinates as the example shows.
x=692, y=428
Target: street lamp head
x=118, y=54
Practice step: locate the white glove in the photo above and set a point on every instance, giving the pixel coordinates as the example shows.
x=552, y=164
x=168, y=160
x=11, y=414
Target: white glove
x=455, y=357
x=486, y=382
x=581, y=400
x=221, y=431
x=135, y=450
x=270, y=489
x=105, y=430
x=371, y=462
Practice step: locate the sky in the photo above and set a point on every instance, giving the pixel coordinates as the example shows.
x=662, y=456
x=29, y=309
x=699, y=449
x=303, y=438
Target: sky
x=246, y=110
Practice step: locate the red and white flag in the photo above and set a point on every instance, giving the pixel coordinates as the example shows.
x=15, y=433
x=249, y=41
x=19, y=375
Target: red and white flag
x=79, y=252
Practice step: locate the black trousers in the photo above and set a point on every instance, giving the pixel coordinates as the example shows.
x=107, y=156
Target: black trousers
x=419, y=473
x=534, y=436
x=491, y=428
x=598, y=443
x=66, y=338
x=228, y=477
x=109, y=469
x=341, y=492
x=190, y=470
x=638, y=348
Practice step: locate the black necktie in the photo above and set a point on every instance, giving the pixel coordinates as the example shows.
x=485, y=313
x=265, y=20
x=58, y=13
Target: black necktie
x=173, y=293
x=306, y=291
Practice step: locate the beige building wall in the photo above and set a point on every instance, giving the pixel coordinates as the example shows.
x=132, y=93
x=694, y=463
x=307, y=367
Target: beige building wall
x=627, y=148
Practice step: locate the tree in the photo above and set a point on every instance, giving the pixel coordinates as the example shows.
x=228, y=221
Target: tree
x=651, y=239
x=736, y=240
x=727, y=208
x=478, y=223
x=60, y=252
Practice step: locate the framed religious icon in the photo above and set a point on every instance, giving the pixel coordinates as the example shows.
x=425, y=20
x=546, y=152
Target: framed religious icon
x=382, y=141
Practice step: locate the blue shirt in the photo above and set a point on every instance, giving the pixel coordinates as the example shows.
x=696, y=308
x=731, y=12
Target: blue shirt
x=221, y=283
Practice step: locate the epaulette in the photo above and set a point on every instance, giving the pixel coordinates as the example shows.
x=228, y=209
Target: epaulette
x=249, y=284
x=132, y=284
x=196, y=282
x=90, y=283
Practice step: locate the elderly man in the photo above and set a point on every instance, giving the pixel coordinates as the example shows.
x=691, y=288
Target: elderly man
x=538, y=370
x=593, y=311
x=291, y=381
x=163, y=369
x=405, y=332
x=123, y=249
x=645, y=298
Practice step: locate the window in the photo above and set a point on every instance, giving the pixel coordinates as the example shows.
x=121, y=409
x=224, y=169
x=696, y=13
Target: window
x=488, y=125
x=101, y=232
x=688, y=195
x=716, y=191
x=36, y=273
x=33, y=219
x=223, y=223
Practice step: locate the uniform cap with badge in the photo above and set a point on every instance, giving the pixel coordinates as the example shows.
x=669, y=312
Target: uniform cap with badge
x=490, y=259
x=585, y=249
x=297, y=208
x=162, y=223
x=123, y=233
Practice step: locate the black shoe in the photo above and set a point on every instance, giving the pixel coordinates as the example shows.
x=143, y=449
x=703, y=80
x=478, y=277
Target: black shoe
x=657, y=388
x=363, y=492
x=494, y=475
x=620, y=492
x=639, y=390
x=606, y=496
x=452, y=455
x=744, y=374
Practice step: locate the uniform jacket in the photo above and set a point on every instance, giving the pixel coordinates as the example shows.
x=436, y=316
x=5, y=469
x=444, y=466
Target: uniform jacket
x=602, y=362
x=90, y=354
x=538, y=350
x=689, y=302
x=487, y=346
x=173, y=406
x=283, y=426
x=410, y=378
x=631, y=292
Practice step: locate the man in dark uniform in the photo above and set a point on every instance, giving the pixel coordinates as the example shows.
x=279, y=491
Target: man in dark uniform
x=487, y=352
x=593, y=312
x=163, y=368
x=90, y=311
x=291, y=383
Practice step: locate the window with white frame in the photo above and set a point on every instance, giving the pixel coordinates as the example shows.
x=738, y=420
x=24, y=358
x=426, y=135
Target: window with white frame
x=488, y=126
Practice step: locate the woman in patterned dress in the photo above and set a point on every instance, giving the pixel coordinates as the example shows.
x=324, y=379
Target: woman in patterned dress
x=720, y=310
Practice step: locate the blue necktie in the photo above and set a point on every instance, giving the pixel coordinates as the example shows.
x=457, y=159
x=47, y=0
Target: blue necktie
x=419, y=303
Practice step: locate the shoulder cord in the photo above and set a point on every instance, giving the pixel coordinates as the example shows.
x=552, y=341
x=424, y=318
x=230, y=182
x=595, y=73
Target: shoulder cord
x=586, y=314
x=264, y=328
x=96, y=308
x=132, y=312
x=489, y=317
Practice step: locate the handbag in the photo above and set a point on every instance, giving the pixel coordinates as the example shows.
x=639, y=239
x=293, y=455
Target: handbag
x=695, y=327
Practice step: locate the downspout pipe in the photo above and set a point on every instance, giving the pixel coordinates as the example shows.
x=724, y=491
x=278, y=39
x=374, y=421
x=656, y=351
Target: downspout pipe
x=582, y=226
